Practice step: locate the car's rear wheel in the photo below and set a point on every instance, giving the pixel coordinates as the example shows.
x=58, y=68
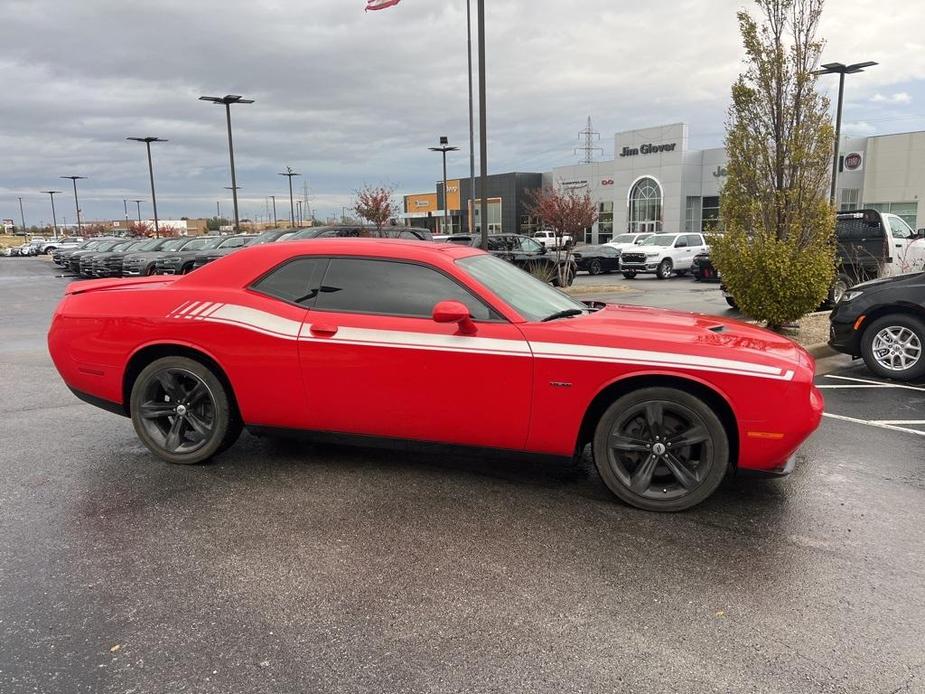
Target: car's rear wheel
x=629, y=274
x=663, y=271
x=661, y=449
x=595, y=267
x=182, y=412
x=732, y=302
x=893, y=346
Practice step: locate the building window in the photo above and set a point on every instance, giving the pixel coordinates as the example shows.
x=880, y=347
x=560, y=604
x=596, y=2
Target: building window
x=645, y=206
x=710, y=214
x=494, y=215
x=529, y=224
x=907, y=210
x=692, y=214
x=850, y=198
x=604, y=223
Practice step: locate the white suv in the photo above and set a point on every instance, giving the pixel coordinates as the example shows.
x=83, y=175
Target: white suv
x=626, y=242
x=662, y=254
x=550, y=240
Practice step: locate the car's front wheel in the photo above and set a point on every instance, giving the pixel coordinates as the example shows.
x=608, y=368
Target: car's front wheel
x=663, y=271
x=892, y=347
x=661, y=449
x=595, y=267
x=182, y=412
x=629, y=274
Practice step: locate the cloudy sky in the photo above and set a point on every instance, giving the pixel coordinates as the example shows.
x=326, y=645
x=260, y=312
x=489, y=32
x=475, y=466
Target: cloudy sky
x=351, y=98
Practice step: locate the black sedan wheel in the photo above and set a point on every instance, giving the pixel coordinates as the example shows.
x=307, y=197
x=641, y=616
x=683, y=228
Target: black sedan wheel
x=595, y=267
x=182, y=412
x=894, y=347
x=629, y=274
x=661, y=449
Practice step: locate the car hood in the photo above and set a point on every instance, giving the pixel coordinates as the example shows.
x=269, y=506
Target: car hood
x=911, y=279
x=679, y=339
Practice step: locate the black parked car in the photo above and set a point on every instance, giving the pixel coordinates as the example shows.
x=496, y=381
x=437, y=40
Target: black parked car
x=71, y=260
x=141, y=262
x=702, y=268
x=233, y=243
x=62, y=255
x=883, y=322
x=358, y=231
x=180, y=261
x=524, y=252
x=109, y=263
x=597, y=259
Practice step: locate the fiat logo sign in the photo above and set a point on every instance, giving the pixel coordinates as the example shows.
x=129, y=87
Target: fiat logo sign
x=853, y=161
x=607, y=182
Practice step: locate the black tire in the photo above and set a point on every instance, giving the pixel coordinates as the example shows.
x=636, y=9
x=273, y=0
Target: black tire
x=732, y=302
x=841, y=285
x=875, y=349
x=629, y=274
x=186, y=269
x=149, y=270
x=182, y=412
x=595, y=267
x=645, y=471
x=49, y=250
x=664, y=269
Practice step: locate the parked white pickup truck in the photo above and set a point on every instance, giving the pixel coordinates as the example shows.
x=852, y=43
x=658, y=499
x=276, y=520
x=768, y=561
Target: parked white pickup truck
x=663, y=254
x=550, y=241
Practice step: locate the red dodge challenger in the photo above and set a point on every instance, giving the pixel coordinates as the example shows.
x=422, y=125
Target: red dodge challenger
x=376, y=339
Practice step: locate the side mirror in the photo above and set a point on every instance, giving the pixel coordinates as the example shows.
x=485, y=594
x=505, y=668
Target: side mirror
x=920, y=234
x=454, y=312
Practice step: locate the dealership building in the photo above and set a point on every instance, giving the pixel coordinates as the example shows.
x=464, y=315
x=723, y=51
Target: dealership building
x=654, y=182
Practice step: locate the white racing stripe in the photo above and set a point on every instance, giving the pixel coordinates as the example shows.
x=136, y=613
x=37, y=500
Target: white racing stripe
x=284, y=328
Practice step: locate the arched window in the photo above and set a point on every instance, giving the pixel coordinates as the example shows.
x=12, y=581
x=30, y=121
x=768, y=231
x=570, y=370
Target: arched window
x=645, y=206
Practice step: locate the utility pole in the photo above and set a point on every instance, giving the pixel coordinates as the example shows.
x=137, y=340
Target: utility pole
x=74, y=180
x=483, y=128
x=471, y=211
x=22, y=216
x=275, y=224
x=299, y=204
x=54, y=218
x=125, y=208
x=590, y=136
x=227, y=100
x=289, y=174
x=138, y=205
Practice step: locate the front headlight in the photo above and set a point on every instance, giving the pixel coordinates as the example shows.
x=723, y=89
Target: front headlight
x=851, y=296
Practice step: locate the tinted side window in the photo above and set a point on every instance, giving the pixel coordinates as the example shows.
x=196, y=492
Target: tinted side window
x=296, y=281
x=358, y=285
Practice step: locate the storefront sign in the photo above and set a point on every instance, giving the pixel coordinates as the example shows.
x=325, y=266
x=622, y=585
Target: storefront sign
x=647, y=149
x=422, y=203
x=607, y=182
x=577, y=183
x=721, y=172
x=854, y=161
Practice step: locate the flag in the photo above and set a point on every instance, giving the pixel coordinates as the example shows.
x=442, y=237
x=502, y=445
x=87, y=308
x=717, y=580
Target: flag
x=380, y=4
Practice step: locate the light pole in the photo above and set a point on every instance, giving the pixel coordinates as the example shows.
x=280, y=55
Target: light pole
x=289, y=174
x=841, y=70
x=470, y=214
x=138, y=205
x=483, y=129
x=74, y=180
x=273, y=198
x=227, y=100
x=22, y=216
x=299, y=203
x=125, y=208
x=444, y=148
x=148, y=141
x=54, y=218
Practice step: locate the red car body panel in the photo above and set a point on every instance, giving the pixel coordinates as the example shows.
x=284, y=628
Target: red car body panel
x=514, y=384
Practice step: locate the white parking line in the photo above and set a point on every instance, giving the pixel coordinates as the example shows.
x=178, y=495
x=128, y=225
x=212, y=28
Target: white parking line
x=881, y=384
x=885, y=385
x=900, y=421
x=879, y=425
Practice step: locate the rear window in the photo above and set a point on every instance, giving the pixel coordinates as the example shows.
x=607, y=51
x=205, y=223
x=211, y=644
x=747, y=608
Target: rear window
x=856, y=229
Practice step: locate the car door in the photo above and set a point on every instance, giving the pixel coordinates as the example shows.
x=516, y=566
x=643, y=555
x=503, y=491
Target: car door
x=375, y=362
x=682, y=253
x=903, y=246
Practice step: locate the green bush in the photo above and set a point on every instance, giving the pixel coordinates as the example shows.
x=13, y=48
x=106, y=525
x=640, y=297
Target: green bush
x=775, y=280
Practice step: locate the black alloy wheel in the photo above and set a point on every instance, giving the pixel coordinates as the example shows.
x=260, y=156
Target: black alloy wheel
x=182, y=412
x=595, y=267
x=661, y=449
x=663, y=271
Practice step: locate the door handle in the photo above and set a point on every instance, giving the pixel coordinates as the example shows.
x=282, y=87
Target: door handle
x=898, y=245
x=323, y=330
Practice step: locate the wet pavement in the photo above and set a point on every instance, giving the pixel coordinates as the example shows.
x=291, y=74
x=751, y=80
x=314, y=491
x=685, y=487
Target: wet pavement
x=286, y=567
x=680, y=293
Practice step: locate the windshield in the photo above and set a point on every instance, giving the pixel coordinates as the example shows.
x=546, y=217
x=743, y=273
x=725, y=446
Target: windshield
x=150, y=245
x=309, y=233
x=286, y=237
x=531, y=298
x=659, y=240
x=201, y=243
x=625, y=238
x=235, y=242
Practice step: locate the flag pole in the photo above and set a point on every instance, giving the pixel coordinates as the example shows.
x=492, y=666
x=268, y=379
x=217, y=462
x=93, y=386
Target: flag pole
x=471, y=211
x=483, y=131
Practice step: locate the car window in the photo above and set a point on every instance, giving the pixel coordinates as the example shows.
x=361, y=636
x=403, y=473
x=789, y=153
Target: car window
x=659, y=240
x=361, y=285
x=900, y=229
x=527, y=245
x=295, y=281
x=235, y=242
x=681, y=242
x=694, y=240
x=201, y=243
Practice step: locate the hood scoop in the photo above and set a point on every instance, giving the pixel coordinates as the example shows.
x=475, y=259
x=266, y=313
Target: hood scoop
x=717, y=328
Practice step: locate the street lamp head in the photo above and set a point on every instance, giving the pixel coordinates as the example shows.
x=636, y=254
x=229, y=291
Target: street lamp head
x=289, y=172
x=227, y=99
x=444, y=140
x=146, y=139
x=72, y=178
x=841, y=68
x=51, y=192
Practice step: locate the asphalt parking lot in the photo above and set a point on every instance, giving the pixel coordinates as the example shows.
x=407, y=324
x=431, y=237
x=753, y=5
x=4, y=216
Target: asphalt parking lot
x=681, y=293
x=286, y=567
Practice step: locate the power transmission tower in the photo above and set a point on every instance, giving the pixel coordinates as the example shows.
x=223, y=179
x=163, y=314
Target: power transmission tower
x=589, y=136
